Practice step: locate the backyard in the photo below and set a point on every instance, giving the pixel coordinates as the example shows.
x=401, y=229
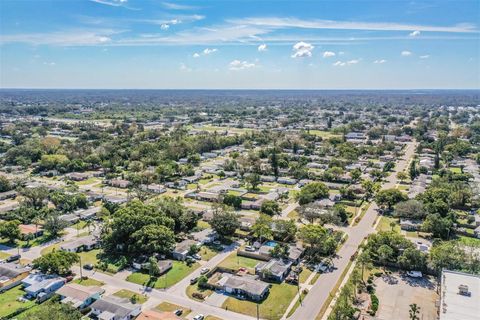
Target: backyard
x=9, y=303
x=235, y=262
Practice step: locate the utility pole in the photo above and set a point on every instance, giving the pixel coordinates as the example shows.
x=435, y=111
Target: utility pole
x=81, y=274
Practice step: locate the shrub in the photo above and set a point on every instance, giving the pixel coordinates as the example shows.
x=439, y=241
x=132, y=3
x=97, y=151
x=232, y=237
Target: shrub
x=375, y=303
x=198, y=295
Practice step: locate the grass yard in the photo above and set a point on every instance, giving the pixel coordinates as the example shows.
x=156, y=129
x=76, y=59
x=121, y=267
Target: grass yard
x=3, y=255
x=213, y=318
x=456, y=170
x=314, y=279
x=179, y=271
x=272, y=308
x=91, y=180
x=79, y=225
x=234, y=261
x=9, y=303
x=202, y=225
x=323, y=134
x=191, y=289
x=297, y=304
x=124, y=293
x=170, y=307
x=305, y=274
x=88, y=282
x=384, y=224
x=208, y=252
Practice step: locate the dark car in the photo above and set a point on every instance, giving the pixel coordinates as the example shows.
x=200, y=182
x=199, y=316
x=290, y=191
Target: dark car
x=15, y=257
x=193, y=280
x=88, y=266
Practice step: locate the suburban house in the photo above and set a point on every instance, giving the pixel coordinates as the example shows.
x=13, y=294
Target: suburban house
x=12, y=194
x=274, y=270
x=410, y=225
x=182, y=248
x=244, y=286
x=87, y=214
x=119, y=183
x=39, y=285
x=77, y=176
x=11, y=275
x=79, y=296
x=86, y=243
x=154, y=188
x=30, y=229
x=205, y=236
x=115, y=308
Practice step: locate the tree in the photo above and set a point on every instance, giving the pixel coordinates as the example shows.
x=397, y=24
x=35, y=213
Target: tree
x=53, y=224
x=153, y=268
x=5, y=184
x=152, y=239
x=390, y=197
x=270, y=208
x=224, y=222
x=262, y=229
x=365, y=260
x=355, y=174
x=285, y=230
x=370, y=188
x=447, y=255
x=402, y=176
x=311, y=192
x=414, y=311
x=412, y=259
x=51, y=310
x=280, y=250
x=385, y=253
x=318, y=239
x=410, y=209
x=253, y=181
x=34, y=197
x=310, y=212
x=438, y=226
x=10, y=230
x=232, y=200
x=56, y=262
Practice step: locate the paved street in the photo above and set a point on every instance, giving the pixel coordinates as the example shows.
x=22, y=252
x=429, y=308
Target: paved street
x=320, y=292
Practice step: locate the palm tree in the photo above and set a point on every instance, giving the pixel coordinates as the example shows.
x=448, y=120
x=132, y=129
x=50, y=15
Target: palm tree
x=365, y=260
x=88, y=224
x=414, y=311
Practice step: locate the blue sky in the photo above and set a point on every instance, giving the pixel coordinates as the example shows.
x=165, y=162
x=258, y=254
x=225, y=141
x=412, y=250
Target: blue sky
x=335, y=44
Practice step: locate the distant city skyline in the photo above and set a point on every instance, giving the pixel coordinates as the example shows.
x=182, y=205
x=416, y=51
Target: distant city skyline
x=155, y=44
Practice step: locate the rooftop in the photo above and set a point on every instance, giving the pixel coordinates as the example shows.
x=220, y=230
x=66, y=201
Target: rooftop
x=460, y=296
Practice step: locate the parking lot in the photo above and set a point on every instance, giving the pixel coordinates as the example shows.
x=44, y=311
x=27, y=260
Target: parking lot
x=396, y=292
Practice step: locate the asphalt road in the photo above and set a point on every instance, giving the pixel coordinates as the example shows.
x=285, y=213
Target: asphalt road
x=320, y=292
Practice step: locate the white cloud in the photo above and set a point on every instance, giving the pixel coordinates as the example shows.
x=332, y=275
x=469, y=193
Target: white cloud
x=425, y=56
x=414, y=33
x=282, y=23
x=115, y=3
x=341, y=53
x=406, y=53
x=183, y=67
x=381, y=61
x=164, y=26
x=328, y=54
x=208, y=51
x=237, y=65
x=49, y=63
x=262, y=47
x=345, y=63
x=64, y=38
x=302, y=50
x=175, y=6
x=196, y=55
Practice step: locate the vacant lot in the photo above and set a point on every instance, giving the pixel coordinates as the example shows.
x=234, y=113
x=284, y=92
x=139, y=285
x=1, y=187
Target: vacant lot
x=179, y=271
x=272, y=308
x=235, y=262
x=397, y=295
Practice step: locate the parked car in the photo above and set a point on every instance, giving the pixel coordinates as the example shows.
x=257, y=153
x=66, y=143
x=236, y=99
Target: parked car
x=69, y=278
x=199, y=317
x=88, y=266
x=193, y=280
x=204, y=270
x=178, y=312
x=414, y=274
x=15, y=257
x=196, y=256
x=249, y=248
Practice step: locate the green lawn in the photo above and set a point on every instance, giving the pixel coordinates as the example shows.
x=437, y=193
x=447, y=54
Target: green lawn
x=272, y=308
x=3, y=255
x=235, y=262
x=202, y=225
x=179, y=271
x=124, y=293
x=323, y=134
x=88, y=282
x=170, y=307
x=91, y=180
x=384, y=224
x=456, y=170
x=191, y=289
x=9, y=303
x=315, y=278
x=305, y=274
x=207, y=252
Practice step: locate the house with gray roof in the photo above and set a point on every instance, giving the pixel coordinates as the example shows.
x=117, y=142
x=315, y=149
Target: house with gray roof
x=115, y=308
x=274, y=270
x=11, y=275
x=244, y=286
x=79, y=296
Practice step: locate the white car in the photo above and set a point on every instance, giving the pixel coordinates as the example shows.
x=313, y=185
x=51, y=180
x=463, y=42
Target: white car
x=249, y=248
x=204, y=270
x=414, y=274
x=199, y=317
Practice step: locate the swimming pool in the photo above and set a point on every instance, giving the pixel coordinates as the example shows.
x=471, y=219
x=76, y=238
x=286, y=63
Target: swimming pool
x=270, y=243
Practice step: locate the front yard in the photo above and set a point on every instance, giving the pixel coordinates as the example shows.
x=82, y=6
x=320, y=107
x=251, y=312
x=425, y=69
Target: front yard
x=124, y=293
x=272, y=308
x=179, y=271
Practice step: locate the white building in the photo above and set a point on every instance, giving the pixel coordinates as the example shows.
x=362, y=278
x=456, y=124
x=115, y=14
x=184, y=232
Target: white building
x=460, y=296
